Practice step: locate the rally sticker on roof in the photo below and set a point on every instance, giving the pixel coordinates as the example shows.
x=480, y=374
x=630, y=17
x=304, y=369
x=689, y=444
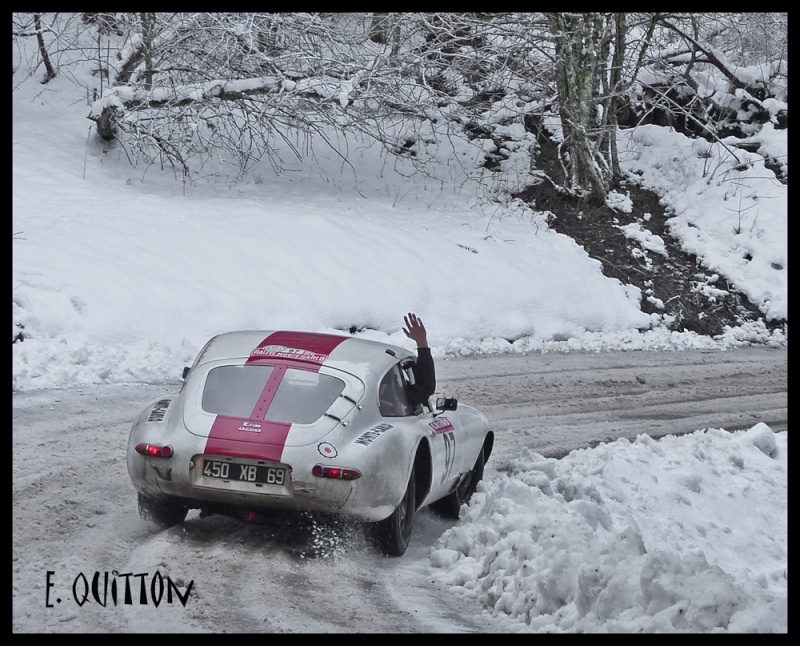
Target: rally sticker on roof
x=282, y=352
x=300, y=346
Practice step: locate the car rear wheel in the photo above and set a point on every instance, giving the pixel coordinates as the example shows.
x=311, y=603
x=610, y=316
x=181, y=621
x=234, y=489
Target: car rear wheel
x=162, y=512
x=394, y=533
x=450, y=506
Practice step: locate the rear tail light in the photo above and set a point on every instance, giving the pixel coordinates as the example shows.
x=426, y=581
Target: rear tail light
x=335, y=473
x=154, y=450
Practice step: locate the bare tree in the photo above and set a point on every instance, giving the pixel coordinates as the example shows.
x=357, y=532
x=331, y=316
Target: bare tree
x=599, y=59
x=200, y=85
x=26, y=25
x=581, y=40
x=596, y=61
x=190, y=89
x=50, y=72
x=234, y=84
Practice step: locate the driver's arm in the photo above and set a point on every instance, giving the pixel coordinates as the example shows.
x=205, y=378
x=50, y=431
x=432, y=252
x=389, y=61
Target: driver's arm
x=424, y=378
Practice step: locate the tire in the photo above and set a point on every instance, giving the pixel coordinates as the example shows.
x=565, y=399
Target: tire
x=162, y=512
x=450, y=505
x=393, y=534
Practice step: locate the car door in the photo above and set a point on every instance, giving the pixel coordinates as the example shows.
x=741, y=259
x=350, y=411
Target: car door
x=445, y=433
x=443, y=430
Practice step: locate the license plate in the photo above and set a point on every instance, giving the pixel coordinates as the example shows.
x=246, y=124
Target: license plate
x=237, y=472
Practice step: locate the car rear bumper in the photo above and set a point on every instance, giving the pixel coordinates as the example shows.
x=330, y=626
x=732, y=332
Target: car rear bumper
x=160, y=478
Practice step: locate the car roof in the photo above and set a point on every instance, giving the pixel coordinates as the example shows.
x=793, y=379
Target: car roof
x=353, y=354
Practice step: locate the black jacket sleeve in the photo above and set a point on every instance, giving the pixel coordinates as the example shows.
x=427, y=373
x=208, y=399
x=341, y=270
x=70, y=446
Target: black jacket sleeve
x=424, y=378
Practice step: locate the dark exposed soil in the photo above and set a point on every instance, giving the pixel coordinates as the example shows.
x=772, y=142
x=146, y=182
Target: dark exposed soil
x=670, y=285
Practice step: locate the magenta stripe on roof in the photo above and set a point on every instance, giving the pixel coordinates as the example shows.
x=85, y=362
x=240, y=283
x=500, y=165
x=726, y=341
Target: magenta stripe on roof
x=299, y=346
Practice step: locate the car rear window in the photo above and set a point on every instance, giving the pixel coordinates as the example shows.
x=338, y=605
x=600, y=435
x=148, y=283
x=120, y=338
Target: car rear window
x=302, y=396
x=234, y=390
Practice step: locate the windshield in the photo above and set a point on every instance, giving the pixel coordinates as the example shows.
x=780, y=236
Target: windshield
x=302, y=396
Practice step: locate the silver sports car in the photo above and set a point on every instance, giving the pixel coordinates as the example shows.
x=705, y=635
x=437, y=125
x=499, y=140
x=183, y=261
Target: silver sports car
x=281, y=420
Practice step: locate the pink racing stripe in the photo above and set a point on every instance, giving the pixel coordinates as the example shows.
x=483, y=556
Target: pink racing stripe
x=256, y=437
x=298, y=346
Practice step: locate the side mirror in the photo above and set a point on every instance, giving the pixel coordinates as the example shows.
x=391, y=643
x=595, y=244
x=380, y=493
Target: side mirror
x=186, y=370
x=446, y=403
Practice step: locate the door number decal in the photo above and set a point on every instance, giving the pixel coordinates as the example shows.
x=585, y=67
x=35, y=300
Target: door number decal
x=449, y=454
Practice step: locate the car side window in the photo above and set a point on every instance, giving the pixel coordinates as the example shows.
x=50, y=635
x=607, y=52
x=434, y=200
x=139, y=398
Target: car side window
x=392, y=396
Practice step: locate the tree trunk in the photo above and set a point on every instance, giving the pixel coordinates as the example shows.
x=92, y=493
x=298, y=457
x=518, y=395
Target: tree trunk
x=615, y=83
x=148, y=30
x=50, y=73
x=578, y=43
x=379, y=28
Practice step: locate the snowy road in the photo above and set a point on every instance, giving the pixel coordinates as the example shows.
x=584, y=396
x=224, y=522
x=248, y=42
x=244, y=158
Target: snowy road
x=74, y=510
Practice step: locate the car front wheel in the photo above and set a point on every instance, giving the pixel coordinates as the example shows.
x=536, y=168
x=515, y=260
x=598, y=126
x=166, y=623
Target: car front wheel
x=394, y=533
x=162, y=512
x=450, y=506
